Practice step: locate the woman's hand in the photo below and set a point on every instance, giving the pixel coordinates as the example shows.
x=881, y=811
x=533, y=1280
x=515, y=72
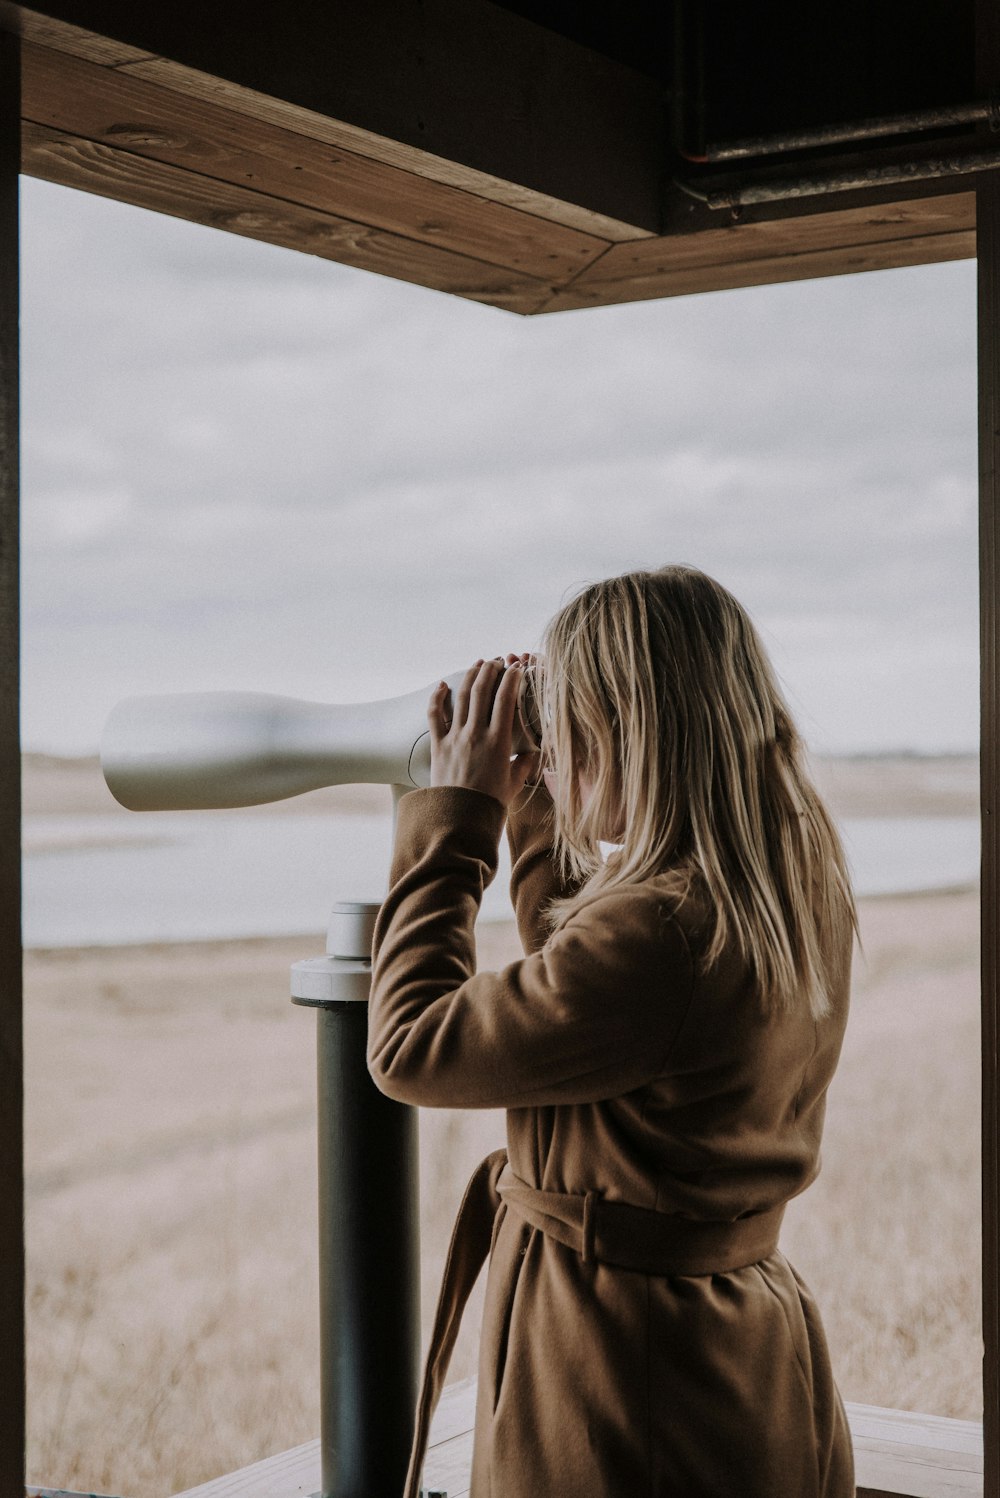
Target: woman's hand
x=471, y=745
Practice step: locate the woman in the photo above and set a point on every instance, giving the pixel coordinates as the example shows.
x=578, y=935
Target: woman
x=663, y=1052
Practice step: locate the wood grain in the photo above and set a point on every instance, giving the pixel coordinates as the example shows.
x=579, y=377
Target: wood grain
x=829, y=229
x=111, y=130
x=461, y=81
x=108, y=106
x=11, y=1058
x=890, y=255
x=837, y=243
x=150, y=184
x=751, y=255
x=365, y=143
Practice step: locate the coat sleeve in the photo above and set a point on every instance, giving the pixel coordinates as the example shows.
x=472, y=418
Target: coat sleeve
x=590, y=1015
x=535, y=879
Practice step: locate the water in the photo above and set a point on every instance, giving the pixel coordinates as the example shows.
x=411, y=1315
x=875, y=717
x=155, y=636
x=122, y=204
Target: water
x=106, y=880
x=902, y=855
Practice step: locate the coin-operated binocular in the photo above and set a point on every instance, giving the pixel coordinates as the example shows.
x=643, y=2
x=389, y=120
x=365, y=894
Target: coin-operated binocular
x=201, y=750
x=227, y=749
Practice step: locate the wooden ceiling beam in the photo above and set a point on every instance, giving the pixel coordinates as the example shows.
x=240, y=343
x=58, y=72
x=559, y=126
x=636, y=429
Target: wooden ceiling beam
x=108, y=107
x=478, y=97
x=105, y=112
x=878, y=237
x=130, y=178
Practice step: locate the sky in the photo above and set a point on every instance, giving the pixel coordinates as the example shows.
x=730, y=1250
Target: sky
x=245, y=468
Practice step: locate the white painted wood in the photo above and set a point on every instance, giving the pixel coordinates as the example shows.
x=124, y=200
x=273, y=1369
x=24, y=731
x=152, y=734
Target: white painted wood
x=290, y=1474
x=897, y=1453
x=905, y=1428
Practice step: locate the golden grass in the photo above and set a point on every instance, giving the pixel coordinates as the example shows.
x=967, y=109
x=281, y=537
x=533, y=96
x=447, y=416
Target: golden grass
x=889, y=1236
x=172, y=1219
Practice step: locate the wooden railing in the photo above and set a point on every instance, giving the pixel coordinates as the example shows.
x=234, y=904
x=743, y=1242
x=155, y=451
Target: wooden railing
x=896, y=1453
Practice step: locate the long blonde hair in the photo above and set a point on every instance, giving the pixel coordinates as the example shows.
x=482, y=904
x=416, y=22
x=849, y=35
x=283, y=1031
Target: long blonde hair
x=657, y=687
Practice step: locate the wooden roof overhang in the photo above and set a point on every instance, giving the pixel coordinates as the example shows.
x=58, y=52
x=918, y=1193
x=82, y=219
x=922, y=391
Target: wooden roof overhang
x=466, y=146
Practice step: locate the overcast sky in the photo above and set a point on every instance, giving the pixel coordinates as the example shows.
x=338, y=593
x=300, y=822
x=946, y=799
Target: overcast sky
x=248, y=468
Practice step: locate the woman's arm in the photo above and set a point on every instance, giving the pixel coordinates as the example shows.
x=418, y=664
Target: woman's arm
x=471, y=746
x=535, y=879
x=590, y=1015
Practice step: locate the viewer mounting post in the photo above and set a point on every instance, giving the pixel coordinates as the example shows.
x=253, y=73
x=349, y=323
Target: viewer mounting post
x=11, y=1083
x=369, y=1317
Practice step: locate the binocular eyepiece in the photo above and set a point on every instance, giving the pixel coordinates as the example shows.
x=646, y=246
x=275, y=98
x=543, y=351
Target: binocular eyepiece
x=202, y=750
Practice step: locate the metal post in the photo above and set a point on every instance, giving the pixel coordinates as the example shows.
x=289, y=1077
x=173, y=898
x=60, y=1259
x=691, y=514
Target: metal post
x=368, y=1230
x=11, y=1085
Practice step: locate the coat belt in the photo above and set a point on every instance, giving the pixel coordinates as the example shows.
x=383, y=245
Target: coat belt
x=599, y=1230
x=640, y=1239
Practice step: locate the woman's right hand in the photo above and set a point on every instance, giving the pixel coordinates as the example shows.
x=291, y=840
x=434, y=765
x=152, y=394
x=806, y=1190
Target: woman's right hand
x=472, y=736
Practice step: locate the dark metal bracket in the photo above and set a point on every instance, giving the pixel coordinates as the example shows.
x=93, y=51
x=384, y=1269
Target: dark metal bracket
x=942, y=162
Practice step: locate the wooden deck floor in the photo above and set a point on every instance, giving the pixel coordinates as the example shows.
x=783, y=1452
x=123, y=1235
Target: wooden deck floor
x=921, y=1456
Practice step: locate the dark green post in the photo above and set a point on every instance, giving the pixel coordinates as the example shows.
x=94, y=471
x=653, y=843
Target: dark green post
x=368, y=1230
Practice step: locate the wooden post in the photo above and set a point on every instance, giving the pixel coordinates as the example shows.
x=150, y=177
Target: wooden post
x=11, y=1083
x=988, y=249
x=988, y=253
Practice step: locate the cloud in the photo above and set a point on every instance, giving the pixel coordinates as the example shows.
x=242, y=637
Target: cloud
x=247, y=466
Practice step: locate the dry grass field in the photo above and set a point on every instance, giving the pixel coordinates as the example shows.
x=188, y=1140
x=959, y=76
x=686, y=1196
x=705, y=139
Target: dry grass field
x=171, y=1196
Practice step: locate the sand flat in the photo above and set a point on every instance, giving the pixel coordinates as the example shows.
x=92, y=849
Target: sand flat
x=171, y=1211
x=171, y=1196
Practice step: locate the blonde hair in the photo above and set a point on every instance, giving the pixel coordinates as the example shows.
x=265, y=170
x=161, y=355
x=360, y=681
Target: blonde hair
x=657, y=687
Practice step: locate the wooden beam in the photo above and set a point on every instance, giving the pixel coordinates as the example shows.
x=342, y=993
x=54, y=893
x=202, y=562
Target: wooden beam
x=108, y=106
x=876, y=237
x=477, y=93
x=11, y=1062
x=988, y=250
x=256, y=106
x=989, y=573
x=213, y=151
x=131, y=178
x=922, y=1456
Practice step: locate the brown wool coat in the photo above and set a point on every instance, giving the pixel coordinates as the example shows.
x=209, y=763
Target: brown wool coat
x=627, y=1078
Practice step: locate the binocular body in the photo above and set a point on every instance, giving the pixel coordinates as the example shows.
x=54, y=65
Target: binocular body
x=202, y=750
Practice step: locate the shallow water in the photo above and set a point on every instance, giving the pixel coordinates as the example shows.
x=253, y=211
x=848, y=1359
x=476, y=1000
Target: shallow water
x=187, y=876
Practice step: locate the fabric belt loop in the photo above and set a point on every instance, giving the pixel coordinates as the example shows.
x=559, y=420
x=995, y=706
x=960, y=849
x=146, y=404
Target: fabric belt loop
x=589, y=1222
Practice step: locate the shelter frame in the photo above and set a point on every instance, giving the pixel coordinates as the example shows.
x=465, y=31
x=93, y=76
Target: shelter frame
x=988, y=231
x=12, y=1402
